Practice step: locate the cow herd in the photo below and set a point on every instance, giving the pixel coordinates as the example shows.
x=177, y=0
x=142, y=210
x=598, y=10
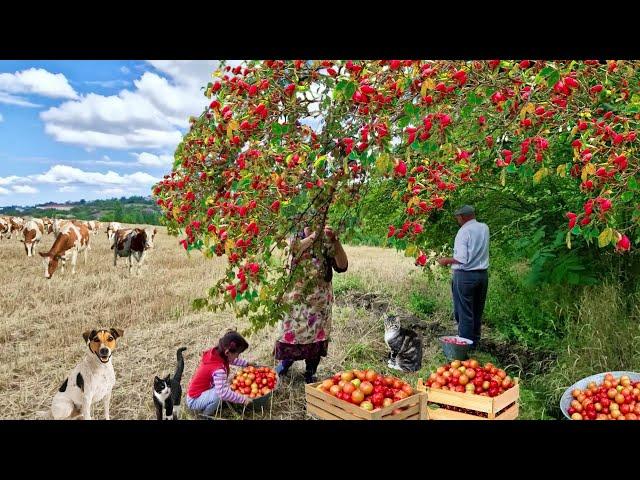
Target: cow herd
x=72, y=237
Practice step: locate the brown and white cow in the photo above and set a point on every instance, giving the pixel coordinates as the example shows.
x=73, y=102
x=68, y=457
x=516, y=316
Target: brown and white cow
x=16, y=225
x=92, y=225
x=132, y=243
x=112, y=228
x=48, y=225
x=72, y=239
x=31, y=235
x=5, y=228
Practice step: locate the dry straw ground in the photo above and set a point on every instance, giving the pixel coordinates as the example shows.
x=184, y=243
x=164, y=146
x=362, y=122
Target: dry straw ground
x=43, y=320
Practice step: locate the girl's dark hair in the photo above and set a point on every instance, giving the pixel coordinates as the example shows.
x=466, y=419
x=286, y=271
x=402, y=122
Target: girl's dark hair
x=232, y=341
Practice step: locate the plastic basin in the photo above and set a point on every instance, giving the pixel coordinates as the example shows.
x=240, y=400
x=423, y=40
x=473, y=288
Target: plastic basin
x=565, y=400
x=453, y=351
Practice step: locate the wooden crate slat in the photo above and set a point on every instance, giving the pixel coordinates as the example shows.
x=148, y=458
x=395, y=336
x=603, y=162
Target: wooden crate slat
x=353, y=410
x=320, y=413
x=462, y=400
x=507, y=398
x=325, y=403
x=409, y=412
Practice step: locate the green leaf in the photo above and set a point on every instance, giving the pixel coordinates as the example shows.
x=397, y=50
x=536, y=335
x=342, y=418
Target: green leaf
x=632, y=184
x=553, y=78
x=627, y=196
x=576, y=230
x=350, y=89
x=473, y=99
x=511, y=168
x=403, y=121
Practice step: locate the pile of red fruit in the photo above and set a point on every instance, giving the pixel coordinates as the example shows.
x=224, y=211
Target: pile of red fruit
x=613, y=399
x=454, y=340
x=254, y=381
x=470, y=377
x=366, y=388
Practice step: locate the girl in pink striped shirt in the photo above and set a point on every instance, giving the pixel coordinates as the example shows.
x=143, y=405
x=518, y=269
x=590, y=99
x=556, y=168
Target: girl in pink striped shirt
x=208, y=386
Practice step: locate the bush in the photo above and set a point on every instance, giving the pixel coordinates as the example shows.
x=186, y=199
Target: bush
x=421, y=305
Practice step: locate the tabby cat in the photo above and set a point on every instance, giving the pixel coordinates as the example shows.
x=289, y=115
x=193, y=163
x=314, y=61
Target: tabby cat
x=405, y=346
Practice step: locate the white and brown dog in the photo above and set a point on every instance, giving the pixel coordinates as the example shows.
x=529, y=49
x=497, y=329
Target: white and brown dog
x=91, y=380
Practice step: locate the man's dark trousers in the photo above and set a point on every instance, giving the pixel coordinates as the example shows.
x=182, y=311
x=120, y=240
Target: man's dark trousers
x=469, y=289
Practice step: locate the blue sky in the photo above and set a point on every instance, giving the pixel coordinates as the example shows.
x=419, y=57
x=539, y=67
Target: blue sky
x=92, y=129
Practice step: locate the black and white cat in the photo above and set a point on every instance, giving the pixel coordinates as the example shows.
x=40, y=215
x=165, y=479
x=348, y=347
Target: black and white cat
x=167, y=392
x=405, y=346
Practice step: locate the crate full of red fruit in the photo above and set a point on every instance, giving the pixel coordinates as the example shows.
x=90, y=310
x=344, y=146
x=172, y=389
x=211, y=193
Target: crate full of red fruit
x=256, y=383
x=605, y=396
x=467, y=390
x=363, y=395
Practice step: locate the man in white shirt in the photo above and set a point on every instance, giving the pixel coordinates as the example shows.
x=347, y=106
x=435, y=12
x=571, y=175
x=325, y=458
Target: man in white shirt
x=469, y=263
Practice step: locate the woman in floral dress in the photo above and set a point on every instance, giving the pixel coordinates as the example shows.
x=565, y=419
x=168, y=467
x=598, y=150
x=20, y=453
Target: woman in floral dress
x=306, y=328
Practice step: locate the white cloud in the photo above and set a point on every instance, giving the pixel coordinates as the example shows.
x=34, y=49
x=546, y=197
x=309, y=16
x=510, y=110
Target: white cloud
x=108, y=83
x=1, y=118
x=14, y=100
x=68, y=188
x=64, y=174
x=115, y=192
x=149, y=116
x=4, y=191
x=124, y=70
x=24, y=189
x=151, y=160
x=34, y=81
x=67, y=175
x=10, y=180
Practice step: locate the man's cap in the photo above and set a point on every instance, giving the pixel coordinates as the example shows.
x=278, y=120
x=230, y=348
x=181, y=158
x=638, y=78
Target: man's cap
x=465, y=210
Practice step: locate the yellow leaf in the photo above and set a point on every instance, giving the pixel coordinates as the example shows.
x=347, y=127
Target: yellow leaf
x=382, y=162
x=528, y=108
x=228, y=245
x=503, y=176
x=233, y=125
x=605, y=237
x=395, y=194
x=584, y=174
x=176, y=211
x=540, y=174
x=428, y=84
x=562, y=170
x=591, y=168
x=411, y=251
x=264, y=293
x=413, y=201
x=210, y=201
x=569, y=239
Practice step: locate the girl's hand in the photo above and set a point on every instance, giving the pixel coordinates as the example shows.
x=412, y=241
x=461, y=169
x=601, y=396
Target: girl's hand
x=331, y=235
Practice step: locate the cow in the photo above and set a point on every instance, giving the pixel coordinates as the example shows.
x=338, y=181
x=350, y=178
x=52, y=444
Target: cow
x=17, y=224
x=72, y=239
x=48, y=225
x=112, y=228
x=5, y=228
x=31, y=235
x=92, y=225
x=59, y=223
x=132, y=242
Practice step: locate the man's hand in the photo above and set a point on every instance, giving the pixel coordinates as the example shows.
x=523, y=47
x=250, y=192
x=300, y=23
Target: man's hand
x=444, y=261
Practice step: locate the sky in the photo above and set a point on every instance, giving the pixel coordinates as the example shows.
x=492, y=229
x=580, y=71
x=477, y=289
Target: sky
x=81, y=129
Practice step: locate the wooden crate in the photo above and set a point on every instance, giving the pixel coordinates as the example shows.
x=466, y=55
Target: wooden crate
x=502, y=407
x=327, y=407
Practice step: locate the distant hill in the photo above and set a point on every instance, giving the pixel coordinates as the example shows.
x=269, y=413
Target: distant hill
x=142, y=210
